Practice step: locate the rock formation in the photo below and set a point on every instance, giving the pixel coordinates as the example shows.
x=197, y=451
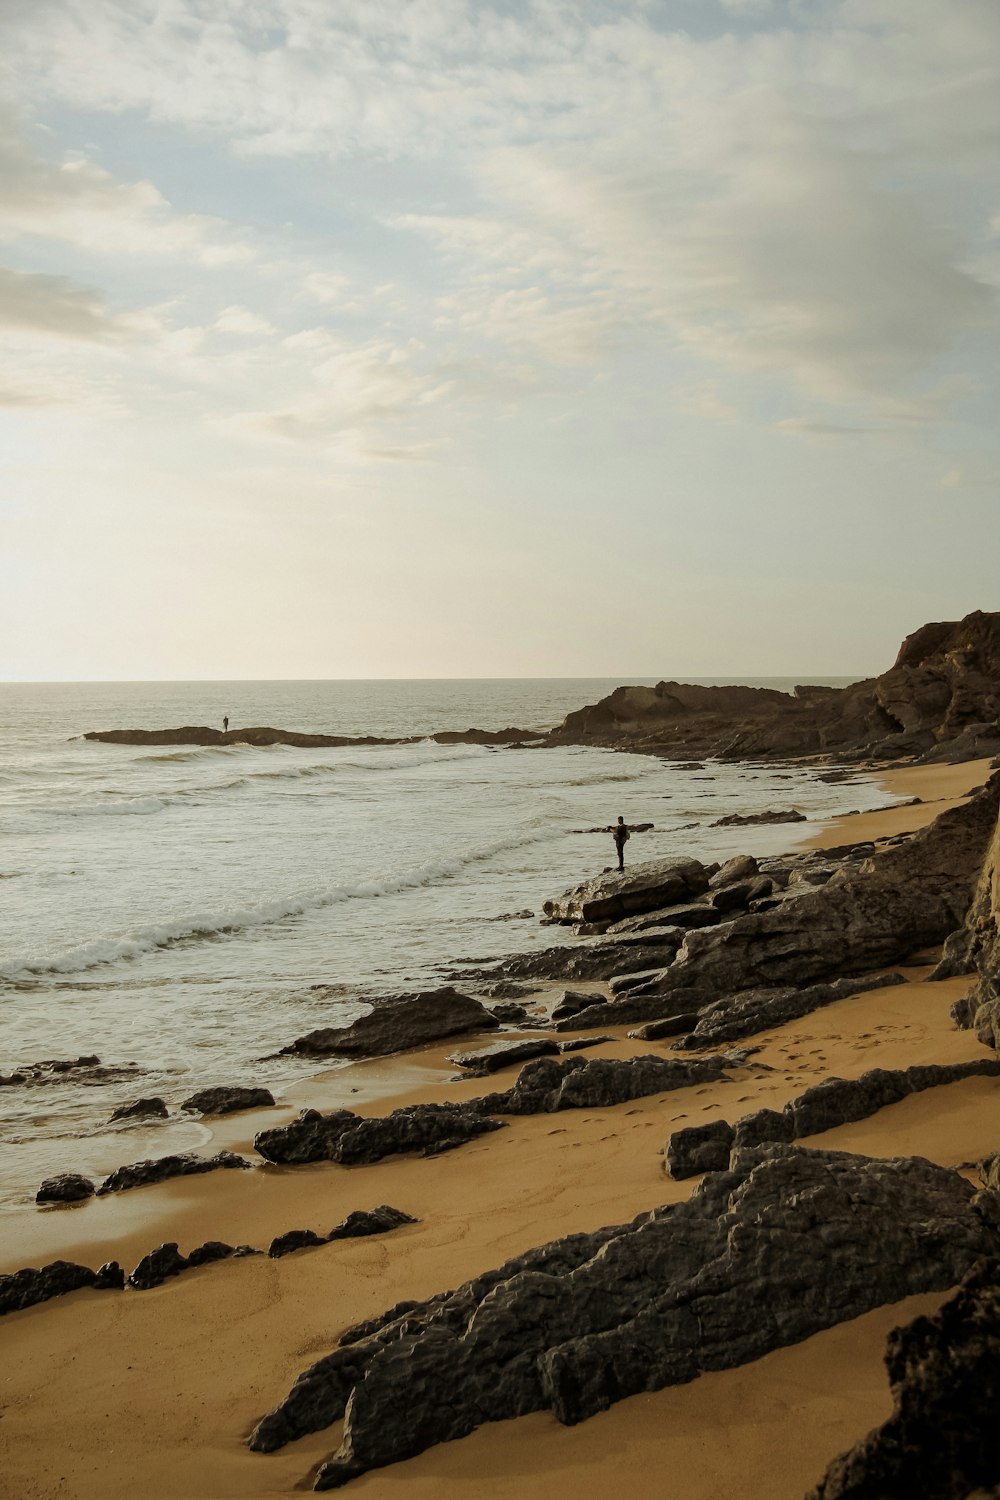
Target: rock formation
x=584, y=1322
x=547, y=1086
x=357, y=1225
x=397, y=1023
x=227, y=1099
x=203, y=734
x=976, y=948
x=160, y=1169
x=69, y=1187
x=646, y=887
x=941, y=694
x=25, y=1288
x=352, y=1139
x=141, y=1109
x=941, y=1441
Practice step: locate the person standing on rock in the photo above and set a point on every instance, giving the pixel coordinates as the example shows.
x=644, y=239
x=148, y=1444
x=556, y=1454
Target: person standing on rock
x=620, y=834
x=225, y=724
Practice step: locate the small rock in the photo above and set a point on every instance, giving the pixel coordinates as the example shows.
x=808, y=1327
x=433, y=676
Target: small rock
x=141, y=1109
x=70, y=1187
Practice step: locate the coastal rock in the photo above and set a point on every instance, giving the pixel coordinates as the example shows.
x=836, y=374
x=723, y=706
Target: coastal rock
x=744, y=820
x=645, y=887
x=398, y=1023
x=738, y=1269
x=487, y=1060
x=203, y=734
x=740, y=867
x=546, y=1086
x=572, y=1002
x=55, y=1070
x=166, y=1261
x=141, y=1109
x=354, y=1139
x=699, y=1148
x=69, y=1187
x=741, y=893
x=750, y=1011
x=595, y=961
x=982, y=948
x=581, y=1043
x=25, y=1288
x=225, y=1100
x=944, y=1373
x=508, y=1012
x=142, y=1173
x=357, y=1225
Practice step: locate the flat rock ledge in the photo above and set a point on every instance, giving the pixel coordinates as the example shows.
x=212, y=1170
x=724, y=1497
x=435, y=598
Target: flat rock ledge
x=160, y=1169
x=352, y=1140
x=786, y=1242
x=835, y=1101
x=645, y=887
x=944, y=1372
x=397, y=1023
x=548, y=1086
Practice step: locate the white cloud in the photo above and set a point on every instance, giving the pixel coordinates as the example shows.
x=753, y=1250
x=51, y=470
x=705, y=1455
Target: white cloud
x=56, y=306
x=326, y=286
x=241, y=320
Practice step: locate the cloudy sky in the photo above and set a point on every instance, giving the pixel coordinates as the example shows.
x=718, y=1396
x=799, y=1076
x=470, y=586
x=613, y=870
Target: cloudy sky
x=350, y=338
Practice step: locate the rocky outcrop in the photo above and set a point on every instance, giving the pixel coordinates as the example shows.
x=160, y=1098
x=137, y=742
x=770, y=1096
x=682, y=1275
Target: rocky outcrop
x=351, y=1139
x=203, y=734
x=976, y=949
x=160, y=1169
x=166, y=1261
x=804, y=1238
x=835, y=1101
x=226, y=1100
x=581, y=964
x=86, y=1070
x=357, y=1225
x=546, y=1086
x=25, y=1288
x=944, y=1372
x=749, y=1012
x=941, y=696
x=69, y=1187
x=141, y=1109
x=396, y=1023
x=646, y=887
x=486, y=1060
x=744, y=820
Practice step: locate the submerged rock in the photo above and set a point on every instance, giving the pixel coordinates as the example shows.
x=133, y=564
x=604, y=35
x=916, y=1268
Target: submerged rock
x=354, y=1139
x=141, y=1109
x=142, y=1173
x=398, y=1023
x=710, y=1283
x=944, y=1372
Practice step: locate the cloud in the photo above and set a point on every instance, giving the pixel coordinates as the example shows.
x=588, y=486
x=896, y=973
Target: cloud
x=57, y=306
x=241, y=320
x=326, y=286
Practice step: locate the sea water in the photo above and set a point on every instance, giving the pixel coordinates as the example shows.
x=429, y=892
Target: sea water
x=191, y=910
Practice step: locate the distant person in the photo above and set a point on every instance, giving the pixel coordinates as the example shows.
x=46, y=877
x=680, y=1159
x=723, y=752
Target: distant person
x=225, y=724
x=620, y=834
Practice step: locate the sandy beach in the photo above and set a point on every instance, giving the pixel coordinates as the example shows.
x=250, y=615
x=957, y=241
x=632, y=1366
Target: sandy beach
x=153, y=1393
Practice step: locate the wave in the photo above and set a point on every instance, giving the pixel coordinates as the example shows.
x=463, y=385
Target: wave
x=211, y=926
x=123, y=807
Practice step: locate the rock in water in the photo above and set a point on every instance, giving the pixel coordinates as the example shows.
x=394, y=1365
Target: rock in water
x=351, y=1139
x=787, y=1242
x=941, y=1441
x=141, y=1109
x=70, y=1187
x=397, y=1023
x=645, y=887
x=142, y=1173
x=227, y=1099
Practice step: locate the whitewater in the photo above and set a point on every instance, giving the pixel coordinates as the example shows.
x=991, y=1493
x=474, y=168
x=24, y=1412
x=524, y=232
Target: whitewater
x=190, y=910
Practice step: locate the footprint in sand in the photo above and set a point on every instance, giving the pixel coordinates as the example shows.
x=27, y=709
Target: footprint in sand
x=560, y=1131
x=678, y=1117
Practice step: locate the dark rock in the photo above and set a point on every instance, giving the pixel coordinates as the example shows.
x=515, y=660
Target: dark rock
x=763, y=1126
x=581, y=1043
x=357, y=1225
x=595, y=961
x=509, y=1012
x=731, y=897
x=699, y=1148
x=944, y=1373
x=398, y=1023
x=203, y=734
x=957, y=957
x=645, y=887
x=751, y=1011
x=225, y=1100
x=156, y=1267
x=70, y=1187
x=743, y=820
x=839, y=1101
x=572, y=1002
x=294, y=1239
x=783, y=1244
x=353, y=1139
x=142, y=1173
x=655, y=1031
x=546, y=1086
x=141, y=1109
x=25, y=1288
x=989, y=1168
x=983, y=951
x=506, y=989
x=210, y=1251
x=741, y=867
x=487, y=1060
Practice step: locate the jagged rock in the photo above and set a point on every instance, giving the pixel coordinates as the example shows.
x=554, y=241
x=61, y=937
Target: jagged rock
x=645, y=887
x=983, y=951
x=546, y=1086
x=957, y=957
x=751, y=1011
x=226, y=1100
x=505, y=989
x=55, y=1070
x=743, y=820
x=142, y=1173
x=292, y=1240
x=357, y=1225
x=70, y=1187
x=397, y=1023
x=835, y=1101
x=655, y=1031
x=509, y=1012
x=785, y=1243
x=815, y=875
x=741, y=893
x=211, y=1250
x=699, y=1148
x=944, y=1372
x=990, y=1170
x=486, y=1060
x=741, y=867
x=25, y=1288
x=597, y=961
x=158, y=1266
x=352, y=1139
x=203, y=734
x=659, y=921
x=141, y=1109
x=572, y=1002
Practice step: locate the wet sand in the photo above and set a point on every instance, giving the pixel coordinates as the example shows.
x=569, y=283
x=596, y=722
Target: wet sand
x=106, y=1395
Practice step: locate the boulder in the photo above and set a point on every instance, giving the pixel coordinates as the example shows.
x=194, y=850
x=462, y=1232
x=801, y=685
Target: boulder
x=20, y=1289
x=699, y=1148
x=226, y=1100
x=487, y=1060
x=398, y=1023
x=160, y=1169
x=166, y=1261
x=645, y=887
x=141, y=1109
x=740, y=867
x=352, y=1139
x=940, y=1442
x=709, y=1283
x=70, y=1187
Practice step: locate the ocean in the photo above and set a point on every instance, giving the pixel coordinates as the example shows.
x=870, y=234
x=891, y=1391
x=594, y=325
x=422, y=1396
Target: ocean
x=190, y=910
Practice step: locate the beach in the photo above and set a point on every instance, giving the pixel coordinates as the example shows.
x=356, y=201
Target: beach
x=155, y=1392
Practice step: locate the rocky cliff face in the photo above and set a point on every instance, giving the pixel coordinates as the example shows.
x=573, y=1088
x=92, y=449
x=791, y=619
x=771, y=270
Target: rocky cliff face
x=943, y=690
x=982, y=947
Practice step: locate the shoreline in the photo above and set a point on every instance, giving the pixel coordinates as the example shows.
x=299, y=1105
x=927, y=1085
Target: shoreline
x=178, y=1432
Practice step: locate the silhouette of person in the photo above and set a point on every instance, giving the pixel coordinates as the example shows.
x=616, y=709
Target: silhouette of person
x=620, y=834
x=225, y=724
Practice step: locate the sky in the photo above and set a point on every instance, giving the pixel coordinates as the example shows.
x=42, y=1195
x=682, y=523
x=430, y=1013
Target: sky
x=446, y=338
